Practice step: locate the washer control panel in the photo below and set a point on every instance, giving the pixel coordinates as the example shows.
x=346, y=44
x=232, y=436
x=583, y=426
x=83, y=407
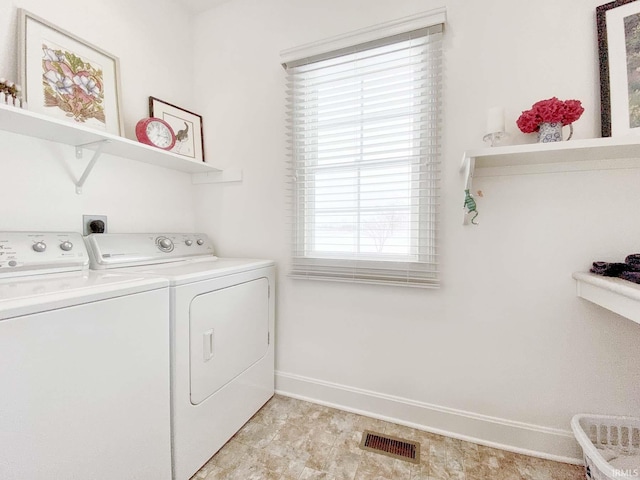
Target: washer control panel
x=112, y=250
x=31, y=253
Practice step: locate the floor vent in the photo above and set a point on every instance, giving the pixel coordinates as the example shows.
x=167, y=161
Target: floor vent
x=391, y=446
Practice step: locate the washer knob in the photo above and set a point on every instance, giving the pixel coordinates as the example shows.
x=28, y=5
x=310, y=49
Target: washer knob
x=165, y=243
x=188, y=243
x=66, y=246
x=40, y=246
x=200, y=241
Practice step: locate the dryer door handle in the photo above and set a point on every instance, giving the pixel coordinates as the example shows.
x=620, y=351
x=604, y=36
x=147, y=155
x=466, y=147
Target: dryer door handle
x=207, y=345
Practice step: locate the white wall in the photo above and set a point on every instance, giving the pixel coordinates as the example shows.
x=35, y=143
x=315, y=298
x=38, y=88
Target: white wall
x=505, y=336
x=153, y=41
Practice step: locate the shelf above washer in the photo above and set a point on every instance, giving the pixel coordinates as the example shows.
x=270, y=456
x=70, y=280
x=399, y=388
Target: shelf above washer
x=615, y=294
x=35, y=125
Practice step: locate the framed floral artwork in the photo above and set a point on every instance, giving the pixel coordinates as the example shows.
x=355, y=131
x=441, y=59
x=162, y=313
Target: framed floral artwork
x=618, y=25
x=66, y=77
x=186, y=125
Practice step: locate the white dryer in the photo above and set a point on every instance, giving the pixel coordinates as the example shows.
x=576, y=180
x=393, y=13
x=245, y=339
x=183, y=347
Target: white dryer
x=84, y=361
x=222, y=334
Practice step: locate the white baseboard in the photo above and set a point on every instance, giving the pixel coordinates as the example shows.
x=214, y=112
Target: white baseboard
x=544, y=442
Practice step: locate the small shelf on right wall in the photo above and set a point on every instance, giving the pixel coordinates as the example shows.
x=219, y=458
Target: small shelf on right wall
x=571, y=155
x=615, y=294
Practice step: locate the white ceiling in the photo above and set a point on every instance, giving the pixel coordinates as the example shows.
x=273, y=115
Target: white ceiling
x=198, y=6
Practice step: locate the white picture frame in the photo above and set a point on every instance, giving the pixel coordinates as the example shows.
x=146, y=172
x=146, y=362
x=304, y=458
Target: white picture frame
x=66, y=77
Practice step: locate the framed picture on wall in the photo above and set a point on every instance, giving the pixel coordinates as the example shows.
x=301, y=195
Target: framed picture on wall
x=186, y=125
x=618, y=26
x=66, y=77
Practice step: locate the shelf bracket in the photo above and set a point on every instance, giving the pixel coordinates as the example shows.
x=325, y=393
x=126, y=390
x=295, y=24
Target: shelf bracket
x=96, y=155
x=468, y=166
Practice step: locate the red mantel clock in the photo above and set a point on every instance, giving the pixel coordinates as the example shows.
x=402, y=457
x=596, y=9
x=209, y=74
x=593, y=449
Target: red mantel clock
x=155, y=132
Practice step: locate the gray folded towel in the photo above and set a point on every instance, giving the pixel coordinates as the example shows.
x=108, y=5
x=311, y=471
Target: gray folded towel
x=611, y=269
x=631, y=276
x=633, y=259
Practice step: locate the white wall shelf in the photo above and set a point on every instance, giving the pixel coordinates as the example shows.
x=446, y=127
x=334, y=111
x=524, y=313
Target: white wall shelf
x=615, y=294
x=572, y=155
x=35, y=125
x=569, y=156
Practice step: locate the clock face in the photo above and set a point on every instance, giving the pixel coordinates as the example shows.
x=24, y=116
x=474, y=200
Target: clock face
x=159, y=134
x=155, y=132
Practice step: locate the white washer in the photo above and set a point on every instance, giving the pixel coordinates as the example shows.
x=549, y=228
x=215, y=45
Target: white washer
x=222, y=324
x=84, y=361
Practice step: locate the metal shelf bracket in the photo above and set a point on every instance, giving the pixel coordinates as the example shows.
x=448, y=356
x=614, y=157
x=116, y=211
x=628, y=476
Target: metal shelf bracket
x=96, y=155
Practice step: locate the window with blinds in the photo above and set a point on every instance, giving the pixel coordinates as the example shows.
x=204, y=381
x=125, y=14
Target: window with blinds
x=364, y=127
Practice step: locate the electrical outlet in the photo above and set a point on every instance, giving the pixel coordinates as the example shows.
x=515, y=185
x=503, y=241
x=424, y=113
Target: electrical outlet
x=86, y=222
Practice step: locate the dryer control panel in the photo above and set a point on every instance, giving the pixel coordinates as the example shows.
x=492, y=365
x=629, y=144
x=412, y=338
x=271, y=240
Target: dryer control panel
x=115, y=250
x=32, y=253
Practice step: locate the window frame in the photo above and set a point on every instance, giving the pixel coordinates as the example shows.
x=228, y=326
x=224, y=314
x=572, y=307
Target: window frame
x=308, y=261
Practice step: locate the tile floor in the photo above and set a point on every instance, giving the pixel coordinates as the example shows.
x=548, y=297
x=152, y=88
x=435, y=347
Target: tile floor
x=293, y=440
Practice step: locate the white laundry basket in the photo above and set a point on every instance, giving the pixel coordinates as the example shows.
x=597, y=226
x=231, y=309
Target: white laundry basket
x=618, y=434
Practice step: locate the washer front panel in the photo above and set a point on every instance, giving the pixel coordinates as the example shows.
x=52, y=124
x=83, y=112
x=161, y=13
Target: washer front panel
x=86, y=391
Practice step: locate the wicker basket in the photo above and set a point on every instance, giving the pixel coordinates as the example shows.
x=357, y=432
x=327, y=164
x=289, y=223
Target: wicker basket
x=597, y=434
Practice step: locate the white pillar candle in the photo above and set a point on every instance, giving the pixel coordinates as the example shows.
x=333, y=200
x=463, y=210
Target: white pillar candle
x=495, y=120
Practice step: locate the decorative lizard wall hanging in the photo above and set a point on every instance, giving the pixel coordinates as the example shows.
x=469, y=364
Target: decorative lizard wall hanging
x=470, y=206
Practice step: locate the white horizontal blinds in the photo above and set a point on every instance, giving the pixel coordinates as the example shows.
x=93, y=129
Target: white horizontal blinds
x=364, y=139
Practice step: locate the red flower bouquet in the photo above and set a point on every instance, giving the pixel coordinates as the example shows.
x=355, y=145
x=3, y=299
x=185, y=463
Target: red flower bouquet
x=551, y=110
